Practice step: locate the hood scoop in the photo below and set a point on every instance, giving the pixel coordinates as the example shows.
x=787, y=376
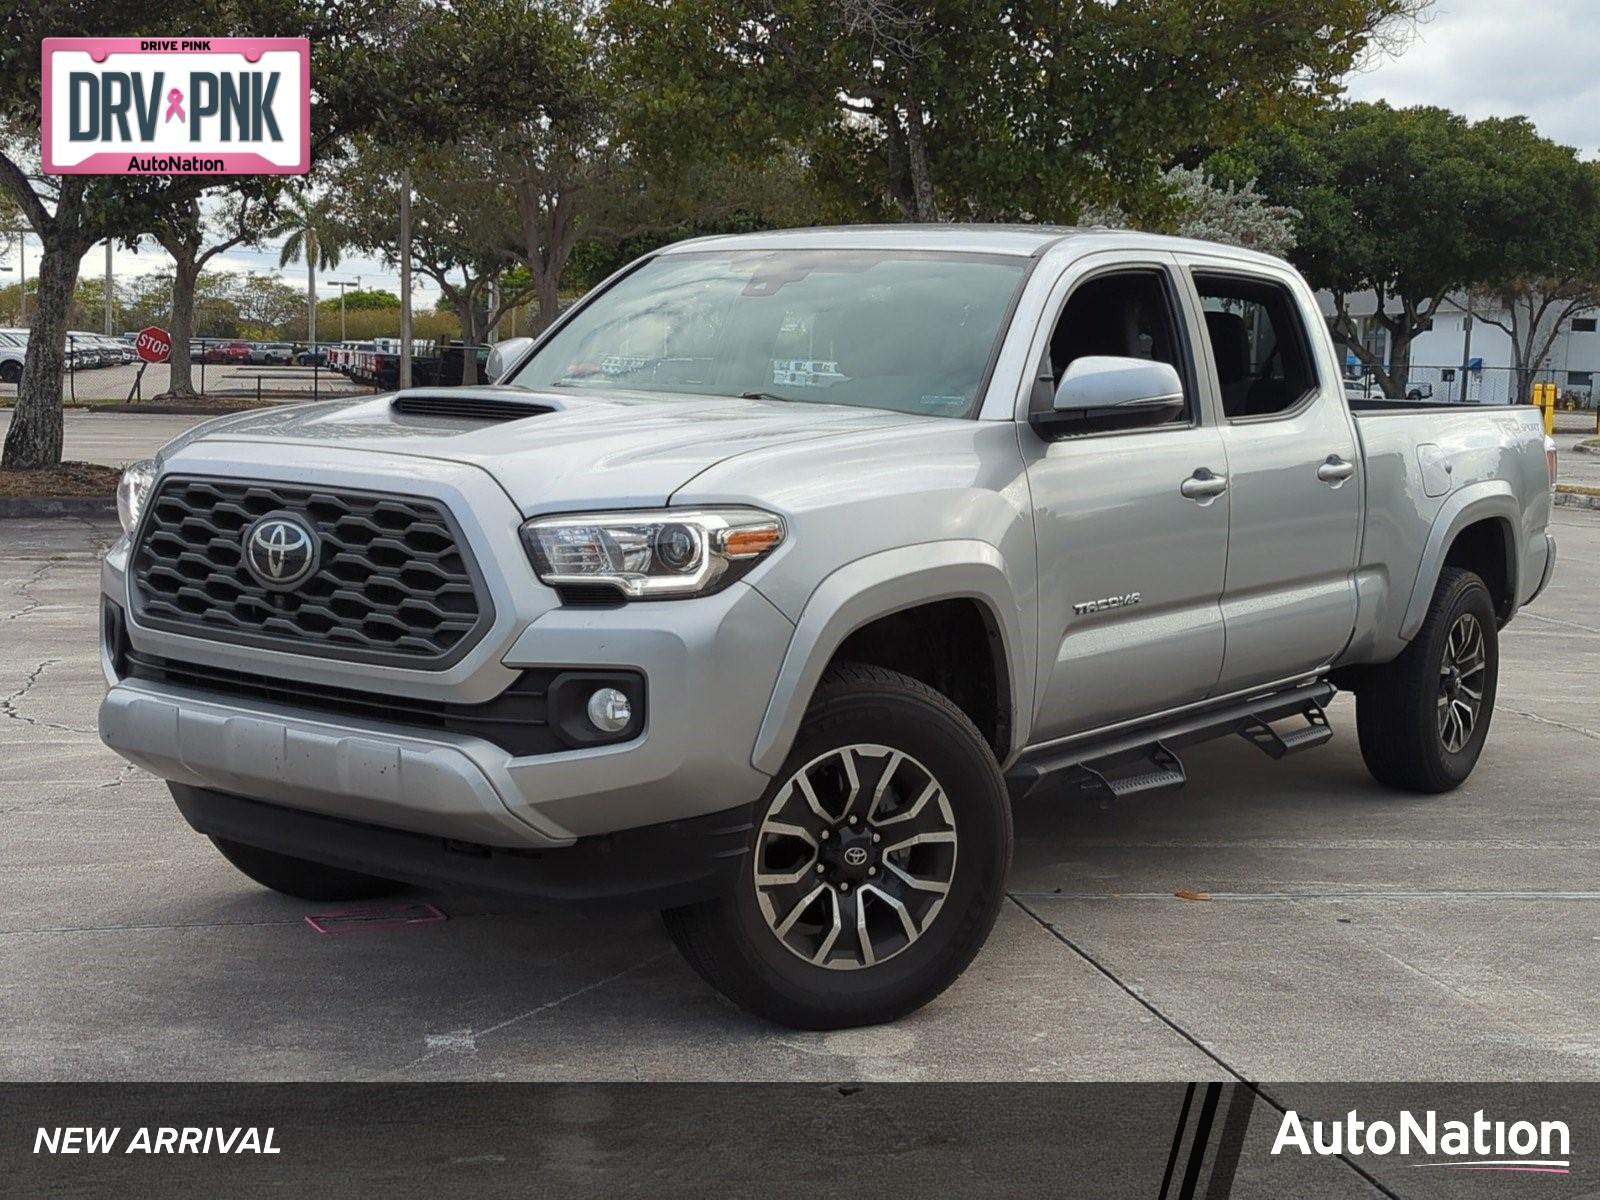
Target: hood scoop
x=467, y=404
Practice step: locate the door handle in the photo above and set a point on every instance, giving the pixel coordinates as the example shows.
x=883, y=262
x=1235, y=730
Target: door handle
x=1204, y=486
x=1335, y=470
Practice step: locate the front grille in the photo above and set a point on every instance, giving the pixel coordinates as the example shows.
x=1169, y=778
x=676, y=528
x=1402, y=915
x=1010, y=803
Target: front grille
x=516, y=720
x=395, y=582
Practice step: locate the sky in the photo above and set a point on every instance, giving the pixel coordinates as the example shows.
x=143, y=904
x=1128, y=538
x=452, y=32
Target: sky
x=1499, y=58
x=1480, y=58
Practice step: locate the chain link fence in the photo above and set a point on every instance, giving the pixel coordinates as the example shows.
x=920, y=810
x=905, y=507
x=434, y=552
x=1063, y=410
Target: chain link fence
x=1483, y=385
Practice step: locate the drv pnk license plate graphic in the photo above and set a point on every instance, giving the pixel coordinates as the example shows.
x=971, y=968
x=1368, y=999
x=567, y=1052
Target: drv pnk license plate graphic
x=176, y=106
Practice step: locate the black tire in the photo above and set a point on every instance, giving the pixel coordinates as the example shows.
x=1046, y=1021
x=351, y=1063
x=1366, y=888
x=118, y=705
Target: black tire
x=10, y=372
x=735, y=949
x=1398, y=704
x=302, y=879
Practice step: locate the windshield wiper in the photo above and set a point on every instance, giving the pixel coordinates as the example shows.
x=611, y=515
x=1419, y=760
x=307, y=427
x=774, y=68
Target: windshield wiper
x=765, y=396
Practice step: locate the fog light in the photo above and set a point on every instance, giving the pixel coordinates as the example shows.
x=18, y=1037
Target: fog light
x=609, y=710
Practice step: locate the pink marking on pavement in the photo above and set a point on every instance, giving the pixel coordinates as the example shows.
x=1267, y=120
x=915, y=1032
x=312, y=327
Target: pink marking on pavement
x=362, y=920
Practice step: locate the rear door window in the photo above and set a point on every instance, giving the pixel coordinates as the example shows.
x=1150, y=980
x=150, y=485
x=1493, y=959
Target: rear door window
x=1258, y=344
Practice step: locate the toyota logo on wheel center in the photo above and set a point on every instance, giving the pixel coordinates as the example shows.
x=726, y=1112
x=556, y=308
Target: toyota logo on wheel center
x=280, y=551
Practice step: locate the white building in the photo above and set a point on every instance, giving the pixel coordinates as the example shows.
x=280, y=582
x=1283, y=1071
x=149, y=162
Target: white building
x=1438, y=353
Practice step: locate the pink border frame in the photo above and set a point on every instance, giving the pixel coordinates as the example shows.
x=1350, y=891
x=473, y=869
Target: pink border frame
x=237, y=163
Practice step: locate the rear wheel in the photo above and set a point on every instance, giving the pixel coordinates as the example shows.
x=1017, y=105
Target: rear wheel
x=301, y=878
x=877, y=866
x=10, y=372
x=1422, y=719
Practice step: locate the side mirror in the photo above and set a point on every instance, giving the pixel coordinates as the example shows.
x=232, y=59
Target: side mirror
x=1100, y=392
x=503, y=354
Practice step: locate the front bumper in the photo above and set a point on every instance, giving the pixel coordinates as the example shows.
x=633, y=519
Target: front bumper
x=659, y=866
x=709, y=666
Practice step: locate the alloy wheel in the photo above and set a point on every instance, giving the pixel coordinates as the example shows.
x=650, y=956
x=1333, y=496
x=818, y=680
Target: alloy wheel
x=1461, y=678
x=855, y=856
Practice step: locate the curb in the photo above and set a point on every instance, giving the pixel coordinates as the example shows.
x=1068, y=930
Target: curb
x=57, y=506
x=1566, y=497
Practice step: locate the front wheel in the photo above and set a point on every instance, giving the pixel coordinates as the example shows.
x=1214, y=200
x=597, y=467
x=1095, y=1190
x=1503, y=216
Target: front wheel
x=877, y=866
x=1422, y=719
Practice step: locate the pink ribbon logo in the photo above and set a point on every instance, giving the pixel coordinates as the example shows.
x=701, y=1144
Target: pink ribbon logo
x=175, y=105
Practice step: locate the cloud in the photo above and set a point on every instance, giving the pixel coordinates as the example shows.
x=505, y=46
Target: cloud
x=1490, y=58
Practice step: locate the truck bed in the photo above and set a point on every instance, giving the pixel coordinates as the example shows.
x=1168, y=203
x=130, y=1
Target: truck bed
x=1426, y=461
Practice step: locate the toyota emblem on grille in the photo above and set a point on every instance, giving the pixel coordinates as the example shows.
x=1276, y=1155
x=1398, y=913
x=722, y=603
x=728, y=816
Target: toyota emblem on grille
x=281, y=551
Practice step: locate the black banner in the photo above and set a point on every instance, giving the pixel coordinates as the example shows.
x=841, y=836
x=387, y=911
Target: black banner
x=1203, y=1141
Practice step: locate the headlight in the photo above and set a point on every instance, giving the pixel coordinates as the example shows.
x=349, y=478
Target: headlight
x=663, y=553
x=133, y=489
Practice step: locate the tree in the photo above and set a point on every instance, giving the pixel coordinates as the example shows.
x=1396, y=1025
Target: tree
x=982, y=109
x=1412, y=205
x=464, y=227
x=1214, y=212
x=1391, y=202
x=69, y=215
x=366, y=61
x=313, y=232
x=1545, y=240
x=182, y=230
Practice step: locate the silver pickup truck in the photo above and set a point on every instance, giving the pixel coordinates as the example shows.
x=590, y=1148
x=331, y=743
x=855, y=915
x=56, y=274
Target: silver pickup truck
x=764, y=583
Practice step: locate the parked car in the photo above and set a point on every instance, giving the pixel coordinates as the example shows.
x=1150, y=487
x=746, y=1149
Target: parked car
x=228, y=352
x=270, y=353
x=345, y=356
x=436, y=367
x=317, y=355
x=88, y=349
x=116, y=353
x=13, y=350
x=769, y=629
x=1366, y=388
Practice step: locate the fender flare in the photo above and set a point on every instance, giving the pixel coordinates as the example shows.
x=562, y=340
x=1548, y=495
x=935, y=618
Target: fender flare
x=1489, y=499
x=880, y=584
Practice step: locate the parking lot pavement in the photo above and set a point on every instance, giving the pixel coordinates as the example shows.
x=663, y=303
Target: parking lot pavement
x=1575, y=466
x=117, y=383
x=114, y=439
x=1351, y=932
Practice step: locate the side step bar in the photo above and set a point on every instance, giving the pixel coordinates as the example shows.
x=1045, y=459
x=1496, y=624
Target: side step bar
x=1143, y=758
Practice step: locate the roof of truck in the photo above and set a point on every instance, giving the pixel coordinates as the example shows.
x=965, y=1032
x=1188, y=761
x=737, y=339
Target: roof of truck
x=1023, y=240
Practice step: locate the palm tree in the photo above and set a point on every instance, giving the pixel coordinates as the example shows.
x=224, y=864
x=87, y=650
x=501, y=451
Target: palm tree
x=311, y=232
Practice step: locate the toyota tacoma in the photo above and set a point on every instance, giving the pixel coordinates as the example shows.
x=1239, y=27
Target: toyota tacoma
x=765, y=581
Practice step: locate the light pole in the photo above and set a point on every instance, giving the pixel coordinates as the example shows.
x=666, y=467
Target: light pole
x=341, y=284
x=109, y=292
x=22, y=275
x=405, y=277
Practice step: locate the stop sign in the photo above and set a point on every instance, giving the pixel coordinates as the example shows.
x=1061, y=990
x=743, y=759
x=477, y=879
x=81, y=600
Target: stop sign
x=154, y=344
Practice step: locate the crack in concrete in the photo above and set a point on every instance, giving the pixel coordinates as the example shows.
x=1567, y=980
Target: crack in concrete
x=127, y=771
x=1578, y=729
x=1207, y=1048
x=25, y=590
x=102, y=544
x=537, y=1010
x=8, y=706
x=1533, y=616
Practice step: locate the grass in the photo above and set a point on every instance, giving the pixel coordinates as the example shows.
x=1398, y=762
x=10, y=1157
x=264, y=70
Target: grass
x=70, y=479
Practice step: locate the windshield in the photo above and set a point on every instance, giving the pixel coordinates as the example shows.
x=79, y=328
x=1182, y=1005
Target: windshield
x=912, y=332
